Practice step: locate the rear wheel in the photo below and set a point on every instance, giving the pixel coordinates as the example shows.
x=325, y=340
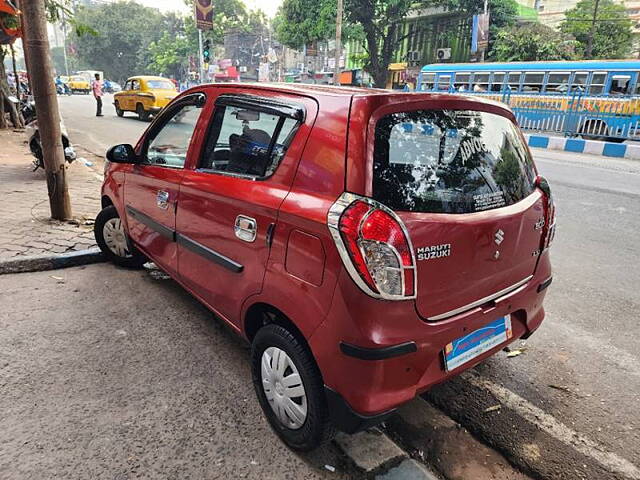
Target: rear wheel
x=142, y=113
x=290, y=388
x=119, y=111
x=113, y=241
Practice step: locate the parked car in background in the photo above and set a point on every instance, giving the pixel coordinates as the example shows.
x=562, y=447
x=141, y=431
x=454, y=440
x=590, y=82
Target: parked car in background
x=144, y=95
x=110, y=86
x=79, y=84
x=362, y=272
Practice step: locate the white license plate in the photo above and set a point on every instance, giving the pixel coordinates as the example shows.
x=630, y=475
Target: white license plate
x=465, y=349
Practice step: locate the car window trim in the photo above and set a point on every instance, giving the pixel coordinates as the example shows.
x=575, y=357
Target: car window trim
x=263, y=104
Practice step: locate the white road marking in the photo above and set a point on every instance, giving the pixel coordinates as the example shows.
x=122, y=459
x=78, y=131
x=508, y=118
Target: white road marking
x=553, y=427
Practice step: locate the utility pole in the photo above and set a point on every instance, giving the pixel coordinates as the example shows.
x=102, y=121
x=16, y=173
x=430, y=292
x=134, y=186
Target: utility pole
x=36, y=44
x=336, y=70
x=201, y=61
x=589, y=50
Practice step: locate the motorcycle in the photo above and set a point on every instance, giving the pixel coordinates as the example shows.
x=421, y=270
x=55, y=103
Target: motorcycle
x=27, y=108
x=63, y=89
x=33, y=139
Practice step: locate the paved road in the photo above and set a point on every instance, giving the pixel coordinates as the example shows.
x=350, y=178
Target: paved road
x=570, y=402
x=97, y=134
x=111, y=373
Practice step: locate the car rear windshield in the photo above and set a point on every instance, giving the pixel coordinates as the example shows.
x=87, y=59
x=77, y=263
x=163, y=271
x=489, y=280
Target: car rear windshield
x=449, y=161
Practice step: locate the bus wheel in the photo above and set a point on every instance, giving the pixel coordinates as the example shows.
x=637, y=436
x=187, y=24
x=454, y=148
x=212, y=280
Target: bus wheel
x=594, y=130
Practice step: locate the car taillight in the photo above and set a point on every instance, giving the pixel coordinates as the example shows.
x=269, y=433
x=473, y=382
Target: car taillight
x=374, y=247
x=549, y=229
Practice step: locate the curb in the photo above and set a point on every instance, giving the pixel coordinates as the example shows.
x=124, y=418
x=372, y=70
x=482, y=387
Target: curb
x=578, y=145
x=37, y=263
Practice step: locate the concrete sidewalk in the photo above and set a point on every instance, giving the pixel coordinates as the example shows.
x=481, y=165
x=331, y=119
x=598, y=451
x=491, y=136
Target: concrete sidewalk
x=26, y=229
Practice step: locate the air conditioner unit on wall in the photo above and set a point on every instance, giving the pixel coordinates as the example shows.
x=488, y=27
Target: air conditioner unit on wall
x=443, y=54
x=413, y=56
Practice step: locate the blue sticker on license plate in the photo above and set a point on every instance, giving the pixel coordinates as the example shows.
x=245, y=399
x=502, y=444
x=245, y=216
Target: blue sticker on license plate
x=466, y=348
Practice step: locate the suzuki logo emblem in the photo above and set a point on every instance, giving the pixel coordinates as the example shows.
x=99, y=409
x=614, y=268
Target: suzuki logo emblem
x=499, y=237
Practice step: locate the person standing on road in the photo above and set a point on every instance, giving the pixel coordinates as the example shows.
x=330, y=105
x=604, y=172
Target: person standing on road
x=96, y=86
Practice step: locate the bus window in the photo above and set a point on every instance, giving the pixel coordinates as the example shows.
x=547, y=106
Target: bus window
x=558, y=82
x=498, y=81
x=461, y=82
x=481, y=82
x=514, y=81
x=636, y=91
x=532, y=82
x=443, y=82
x=597, y=83
x=428, y=80
x=580, y=82
x=620, y=84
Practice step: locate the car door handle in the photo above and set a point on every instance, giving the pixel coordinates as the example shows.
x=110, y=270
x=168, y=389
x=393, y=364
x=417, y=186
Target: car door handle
x=245, y=228
x=162, y=199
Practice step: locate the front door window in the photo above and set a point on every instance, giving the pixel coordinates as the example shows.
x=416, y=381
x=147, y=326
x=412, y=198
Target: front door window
x=168, y=146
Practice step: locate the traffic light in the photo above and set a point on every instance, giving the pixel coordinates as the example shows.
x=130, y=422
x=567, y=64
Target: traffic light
x=206, y=51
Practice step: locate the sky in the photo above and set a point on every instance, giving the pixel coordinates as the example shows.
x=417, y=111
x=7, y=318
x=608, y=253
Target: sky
x=267, y=6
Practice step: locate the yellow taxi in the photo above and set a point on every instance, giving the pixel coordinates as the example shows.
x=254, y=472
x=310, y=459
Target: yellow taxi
x=145, y=95
x=79, y=84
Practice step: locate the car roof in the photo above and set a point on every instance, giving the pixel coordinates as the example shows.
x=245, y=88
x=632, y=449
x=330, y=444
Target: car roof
x=393, y=96
x=147, y=77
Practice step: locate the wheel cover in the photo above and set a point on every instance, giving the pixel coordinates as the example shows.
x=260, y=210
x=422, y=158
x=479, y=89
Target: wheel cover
x=116, y=238
x=283, y=388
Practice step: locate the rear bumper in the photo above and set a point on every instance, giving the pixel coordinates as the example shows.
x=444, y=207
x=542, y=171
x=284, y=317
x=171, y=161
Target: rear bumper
x=378, y=355
x=347, y=420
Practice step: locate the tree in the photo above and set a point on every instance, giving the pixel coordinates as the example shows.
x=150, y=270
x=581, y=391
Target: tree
x=613, y=29
x=124, y=31
x=375, y=22
x=299, y=22
x=170, y=55
x=532, y=42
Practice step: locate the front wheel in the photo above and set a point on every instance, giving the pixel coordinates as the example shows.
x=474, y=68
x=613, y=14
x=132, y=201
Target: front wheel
x=112, y=240
x=290, y=388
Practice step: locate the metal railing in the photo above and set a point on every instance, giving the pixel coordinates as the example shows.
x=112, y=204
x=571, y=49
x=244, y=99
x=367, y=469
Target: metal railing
x=574, y=114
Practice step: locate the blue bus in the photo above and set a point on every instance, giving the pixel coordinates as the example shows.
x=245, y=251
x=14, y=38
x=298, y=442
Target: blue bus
x=594, y=99
x=593, y=78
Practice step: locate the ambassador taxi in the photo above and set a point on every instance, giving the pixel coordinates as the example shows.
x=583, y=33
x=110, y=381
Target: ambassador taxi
x=144, y=95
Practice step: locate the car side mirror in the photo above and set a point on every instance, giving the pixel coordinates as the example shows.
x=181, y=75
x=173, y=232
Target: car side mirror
x=123, y=153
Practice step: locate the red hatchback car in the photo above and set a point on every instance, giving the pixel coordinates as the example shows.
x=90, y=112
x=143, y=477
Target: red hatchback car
x=368, y=244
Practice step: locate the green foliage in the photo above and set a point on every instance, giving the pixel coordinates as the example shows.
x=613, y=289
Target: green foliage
x=170, y=55
x=230, y=15
x=532, y=42
x=299, y=22
x=124, y=31
x=613, y=32
x=374, y=22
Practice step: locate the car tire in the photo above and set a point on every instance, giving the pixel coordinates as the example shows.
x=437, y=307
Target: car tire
x=119, y=111
x=142, y=113
x=306, y=423
x=113, y=240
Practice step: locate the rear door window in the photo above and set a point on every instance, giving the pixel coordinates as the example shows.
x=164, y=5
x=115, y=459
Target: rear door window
x=453, y=161
x=247, y=142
